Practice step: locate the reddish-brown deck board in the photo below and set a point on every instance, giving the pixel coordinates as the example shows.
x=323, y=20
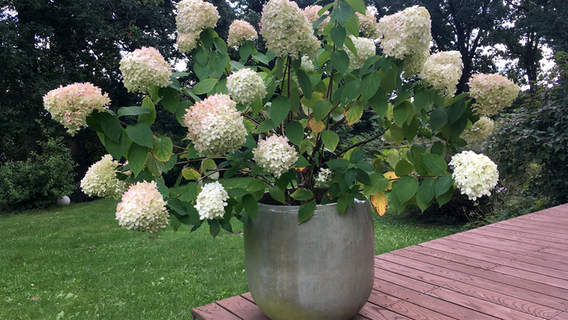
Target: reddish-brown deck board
x=515, y=269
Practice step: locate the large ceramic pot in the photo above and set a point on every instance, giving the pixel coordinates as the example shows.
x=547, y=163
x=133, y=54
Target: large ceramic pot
x=321, y=269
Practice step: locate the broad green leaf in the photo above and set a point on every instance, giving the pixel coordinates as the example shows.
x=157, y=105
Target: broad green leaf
x=305, y=211
x=397, y=134
x=419, y=165
x=136, y=157
x=321, y=109
x=350, y=175
x=403, y=168
x=265, y=126
x=295, y=132
x=438, y=118
x=150, y=117
x=340, y=61
x=363, y=177
x=338, y=34
x=444, y=184
x=342, y=203
x=380, y=103
x=190, y=174
x=182, y=108
x=351, y=46
x=214, y=227
x=458, y=127
x=111, y=127
x=425, y=193
x=438, y=148
x=435, y=163
x=342, y=13
x=330, y=139
x=400, y=113
x=350, y=92
x=302, y=194
x=237, y=192
x=357, y=5
x=305, y=83
x=220, y=45
x=446, y=197
x=410, y=129
x=256, y=185
x=421, y=99
x=354, y=113
x=205, y=86
x=352, y=25
x=162, y=148
x=170, y=99
x=154, y=165
x=370, y=84
x=277, y=194
x=132, y=111
x=117, y=150
x=279, y=109
x=406, y=188
x=189, y=192
x=456, y=111
x=250, y=205
x=141, y=134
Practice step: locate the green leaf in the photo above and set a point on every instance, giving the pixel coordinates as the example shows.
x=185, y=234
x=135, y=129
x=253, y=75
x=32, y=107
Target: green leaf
x=358, y=5
x=370, y=84
x=265, y=126
x=277, y=194
x=446, y=197
x=425, y=193
x=261, y=57
x=321, y=109
x=380, y=103
x=351, y=46
x=237, y=192
x=421, y=99
x=295, y=132
x=330, y=139
x=170, y=99
x=111, y=127
x=456, y=111
x=279, y=109
x=338, y=34
x=150, y=117
x=406, y=188
x=205, y=86
x=214, y=227
x=400, y=113
x=250, y=205
x=154, y=165
x=435, y=163
x=350, y=175
x=363, y=177
x=220, y=45
x=342, y=13
x=190, y=174
x=132, y=111
x=352, y=25
x=302, y=194
x=350, y=92
x=438, y=148
x=189, y=192
x=354, y=113
x=182, y=110
x=438, y=118
x=378, y=184
x=117, y=150
x=256, y=185
x=397, y=134
x=340, y=61
x=162, y=148
x=305, y=211
x=444, y=184
x=136, y=157
x=305, y=83
x=419, y=165
x=403, y=168
x=141, y=134
x=410, y=129
x=458, y=127
x=342, y=203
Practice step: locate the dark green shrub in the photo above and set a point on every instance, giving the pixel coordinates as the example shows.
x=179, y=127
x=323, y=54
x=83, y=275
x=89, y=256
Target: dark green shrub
x=38, y=181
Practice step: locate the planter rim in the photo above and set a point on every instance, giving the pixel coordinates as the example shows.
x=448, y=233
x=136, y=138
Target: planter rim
x=319, y=206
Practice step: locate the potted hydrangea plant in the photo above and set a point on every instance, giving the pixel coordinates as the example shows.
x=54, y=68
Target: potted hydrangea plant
x=275, y=117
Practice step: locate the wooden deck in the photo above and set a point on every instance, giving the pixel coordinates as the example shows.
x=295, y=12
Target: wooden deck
x=515, y=269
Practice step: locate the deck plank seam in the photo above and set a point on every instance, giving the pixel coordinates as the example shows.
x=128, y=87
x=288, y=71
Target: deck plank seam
x=231, y=312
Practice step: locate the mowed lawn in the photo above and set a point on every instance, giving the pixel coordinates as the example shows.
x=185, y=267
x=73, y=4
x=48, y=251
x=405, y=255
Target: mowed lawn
x=76, y=262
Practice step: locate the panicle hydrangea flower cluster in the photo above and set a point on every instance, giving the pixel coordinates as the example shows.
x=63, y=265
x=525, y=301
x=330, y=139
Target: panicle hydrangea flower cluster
x=142, y=208
x=406, y=35
x=308, y=64
x=492, y=92
x=323, y=176
x=474, y=174
x=368, y=24
x=215, y=126
x=311, y=13
x=275, y=155
x=195, y=15
x=443, y=71
x=479, y=130
x=239, y=32
x=211, y=201
x=100, y=180
x=144, y=69
x=287, y=31
x=72, y=104
x=245, y=86
x=186, y=42
x=365, y=49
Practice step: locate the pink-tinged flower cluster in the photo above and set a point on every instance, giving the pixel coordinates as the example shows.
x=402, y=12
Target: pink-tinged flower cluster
x=186, y=42
x=275, y=155
x=100, y=180
x=72, y=104
x=287, y=31
x=245, y=86
x=142, y=208
x=144, y=69
x=365, y=49
x=443, y=71
x=211, y=201
x=239, y=32
x=195, y=15
x=311, y=13
x=215, y=126
x=368, y=24
x=406, y=35
x=492, y=92
x=479, y=130
x=474, y=174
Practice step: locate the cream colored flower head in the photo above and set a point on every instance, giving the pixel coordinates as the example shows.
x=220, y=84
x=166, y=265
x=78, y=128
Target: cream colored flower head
x=215, y=126
x=479, y=130
x=474, y=174
x=186, y=42
x=245, y=86
x=492, y=93
x=195, y=15
x=211, y=201
x=308, y=64
x=311, y=13
x=100, y=180
x=144, y=69
x=443, y=71
x=72, y=104
x=275, y=155
x=324, y=176
x=239, y=32
x=142, y=208
x=365, y=49
x=368, y=24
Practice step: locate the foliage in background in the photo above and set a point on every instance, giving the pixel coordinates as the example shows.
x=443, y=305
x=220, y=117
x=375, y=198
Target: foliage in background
x=38, y=181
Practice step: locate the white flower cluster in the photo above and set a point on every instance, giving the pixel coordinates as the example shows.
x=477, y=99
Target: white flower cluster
x=195, y=15
x=443, y=71
x=245, y=86
x=365, y=49
x=215, y=126
x=406, y=35
x=287, y=30
x=474, y=174
x=211, y=201
x=308, y=64
x=368, y=24
x=492, y=92
x=144, y=69
x=142, y=208
x=239, y=32
x=100, y=180
x=311, y=13
x=72, y=104
x=275, y=155
x=186, y=42
x=323, y=176
x=479, y=130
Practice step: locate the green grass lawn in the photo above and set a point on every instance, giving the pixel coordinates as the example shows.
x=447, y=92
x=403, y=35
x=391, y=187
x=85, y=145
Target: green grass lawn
x=75, y=262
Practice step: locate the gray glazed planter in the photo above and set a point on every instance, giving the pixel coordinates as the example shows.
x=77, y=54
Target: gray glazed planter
x=322, y=269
